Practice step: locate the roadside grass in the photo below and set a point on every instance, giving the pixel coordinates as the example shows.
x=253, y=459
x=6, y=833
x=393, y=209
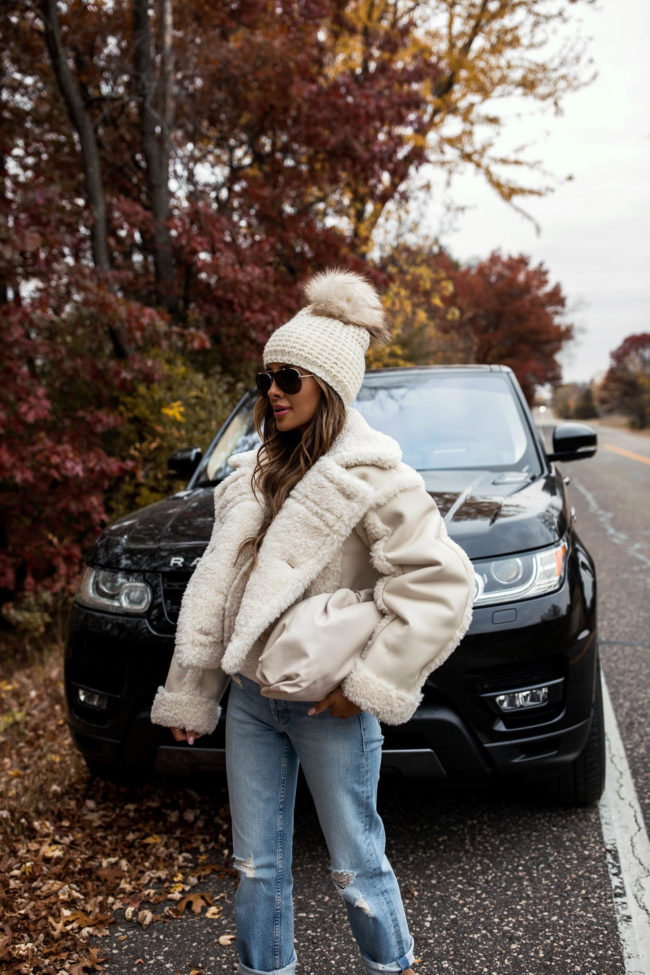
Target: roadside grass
x=620, y=422
x=77, y=853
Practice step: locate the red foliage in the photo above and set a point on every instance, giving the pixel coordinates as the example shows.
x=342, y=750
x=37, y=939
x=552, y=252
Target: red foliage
x=512, y=315
x=288, y=125
x=626, y=386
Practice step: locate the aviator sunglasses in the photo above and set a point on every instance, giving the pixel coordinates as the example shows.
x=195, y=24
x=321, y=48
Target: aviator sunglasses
x=287, y=379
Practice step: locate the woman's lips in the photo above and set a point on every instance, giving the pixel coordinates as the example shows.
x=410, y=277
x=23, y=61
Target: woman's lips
x=280, y=411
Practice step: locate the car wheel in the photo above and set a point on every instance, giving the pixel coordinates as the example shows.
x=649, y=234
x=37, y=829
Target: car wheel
x=584, y=780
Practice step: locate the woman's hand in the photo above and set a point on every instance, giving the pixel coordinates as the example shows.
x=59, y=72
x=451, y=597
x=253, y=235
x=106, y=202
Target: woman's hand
x=183, y=734
x=337, y=704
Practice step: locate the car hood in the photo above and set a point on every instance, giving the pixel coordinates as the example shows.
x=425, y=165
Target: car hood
x=491, y=513
x=488, y=513
x=170, y=534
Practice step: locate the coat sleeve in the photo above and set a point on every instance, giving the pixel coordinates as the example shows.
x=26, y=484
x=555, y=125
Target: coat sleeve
x=190, y=698
x=191, y=695
x=425, y=593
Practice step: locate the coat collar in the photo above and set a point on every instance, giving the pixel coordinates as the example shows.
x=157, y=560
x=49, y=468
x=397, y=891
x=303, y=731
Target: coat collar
x=310, y=528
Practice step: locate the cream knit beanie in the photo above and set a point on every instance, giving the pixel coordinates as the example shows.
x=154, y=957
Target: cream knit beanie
x=329, y=337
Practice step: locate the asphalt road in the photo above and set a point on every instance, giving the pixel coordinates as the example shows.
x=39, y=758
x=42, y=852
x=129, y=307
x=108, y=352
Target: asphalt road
x=496, y=883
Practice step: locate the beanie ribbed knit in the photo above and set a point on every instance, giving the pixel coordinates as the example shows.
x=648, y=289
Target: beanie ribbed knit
x=329, y=337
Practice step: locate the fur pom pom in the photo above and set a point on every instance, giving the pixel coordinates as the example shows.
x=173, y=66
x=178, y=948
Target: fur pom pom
x=348, y=297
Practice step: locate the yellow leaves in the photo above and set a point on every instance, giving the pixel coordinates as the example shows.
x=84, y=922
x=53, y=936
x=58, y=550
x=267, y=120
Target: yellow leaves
x=152, y=840
x=175, y=411
x=453, y=314
x=446, y=287
x=9, y=718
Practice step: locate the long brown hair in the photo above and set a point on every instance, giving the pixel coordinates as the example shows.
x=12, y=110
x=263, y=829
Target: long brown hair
x=284, y=458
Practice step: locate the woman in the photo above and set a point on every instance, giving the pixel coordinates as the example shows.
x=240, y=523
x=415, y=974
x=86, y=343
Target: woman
x=328, y=561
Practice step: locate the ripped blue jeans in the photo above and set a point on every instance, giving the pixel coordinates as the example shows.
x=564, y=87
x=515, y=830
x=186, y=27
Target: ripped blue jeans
x=266, y=740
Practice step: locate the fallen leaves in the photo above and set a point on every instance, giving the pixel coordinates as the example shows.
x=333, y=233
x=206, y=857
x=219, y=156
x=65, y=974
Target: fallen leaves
x=75, y=852
x=10, y=717
x=196, y=901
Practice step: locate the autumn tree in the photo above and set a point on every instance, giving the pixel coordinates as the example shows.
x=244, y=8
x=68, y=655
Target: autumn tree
x=500, y=311
x=416, y=282
x=170, y=173
x=296, y=124
x=490, y=55
x=510, y=314
x=626, y=386
x=585, y=407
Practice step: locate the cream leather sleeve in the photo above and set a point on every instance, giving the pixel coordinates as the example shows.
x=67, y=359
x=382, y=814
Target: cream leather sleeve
x=190, y=698
x=425, y=592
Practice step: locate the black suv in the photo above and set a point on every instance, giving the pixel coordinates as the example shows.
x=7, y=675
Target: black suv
x=521, y=695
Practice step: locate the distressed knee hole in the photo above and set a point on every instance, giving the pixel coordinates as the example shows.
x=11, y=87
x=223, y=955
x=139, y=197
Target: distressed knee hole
x=343, y=881
x=363, y=905
x=245, y=866
x=342, y=878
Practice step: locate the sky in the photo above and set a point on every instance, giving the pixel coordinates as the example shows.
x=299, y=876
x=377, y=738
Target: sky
x=595, y=228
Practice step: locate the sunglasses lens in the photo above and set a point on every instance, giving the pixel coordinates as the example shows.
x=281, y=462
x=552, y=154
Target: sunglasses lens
x=289, y=380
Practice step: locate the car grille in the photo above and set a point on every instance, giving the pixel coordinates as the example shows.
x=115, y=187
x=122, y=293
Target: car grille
x=173, y=586
x=520, y=675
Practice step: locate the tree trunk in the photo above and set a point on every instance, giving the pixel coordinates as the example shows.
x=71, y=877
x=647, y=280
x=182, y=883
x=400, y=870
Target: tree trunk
x=156, y=116
x=83, y=124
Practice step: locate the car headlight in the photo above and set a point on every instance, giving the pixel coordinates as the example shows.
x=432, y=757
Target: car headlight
x=114, y=592
x=519, y=576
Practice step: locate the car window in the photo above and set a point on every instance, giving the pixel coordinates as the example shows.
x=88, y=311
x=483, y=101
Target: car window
x=448, y=421
x=442, y=421
x=239, y=435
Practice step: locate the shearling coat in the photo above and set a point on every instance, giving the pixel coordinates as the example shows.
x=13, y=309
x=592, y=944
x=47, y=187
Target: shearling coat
x=359, y=517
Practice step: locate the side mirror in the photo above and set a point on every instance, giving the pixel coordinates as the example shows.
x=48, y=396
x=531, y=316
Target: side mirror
x=184, y=462
x=573, y=441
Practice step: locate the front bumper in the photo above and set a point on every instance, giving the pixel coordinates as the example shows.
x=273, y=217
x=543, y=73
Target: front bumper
x=457, y=732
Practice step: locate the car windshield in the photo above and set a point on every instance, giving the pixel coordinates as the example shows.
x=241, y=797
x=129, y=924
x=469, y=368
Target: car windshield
x=442, y=421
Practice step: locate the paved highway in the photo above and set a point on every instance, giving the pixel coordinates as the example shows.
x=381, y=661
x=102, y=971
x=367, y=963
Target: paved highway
x=499, y=883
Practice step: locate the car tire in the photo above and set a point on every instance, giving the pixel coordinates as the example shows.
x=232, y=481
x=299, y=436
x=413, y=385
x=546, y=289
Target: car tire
x=583, y=782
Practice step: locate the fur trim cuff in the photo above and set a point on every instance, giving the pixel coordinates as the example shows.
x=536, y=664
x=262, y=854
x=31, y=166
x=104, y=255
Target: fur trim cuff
x=191, y=711
x=373, y=694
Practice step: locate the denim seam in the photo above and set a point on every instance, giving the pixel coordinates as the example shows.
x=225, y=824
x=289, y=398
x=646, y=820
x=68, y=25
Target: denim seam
x=370, y=853
x=277, y=917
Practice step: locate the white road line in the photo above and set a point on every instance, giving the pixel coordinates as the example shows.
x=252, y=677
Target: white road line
x=636, y=549
x=628, y=850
